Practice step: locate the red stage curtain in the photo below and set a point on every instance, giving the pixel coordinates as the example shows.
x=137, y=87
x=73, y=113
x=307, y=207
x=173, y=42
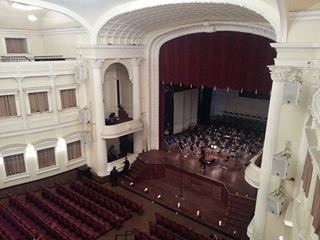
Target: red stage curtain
x=223, y=59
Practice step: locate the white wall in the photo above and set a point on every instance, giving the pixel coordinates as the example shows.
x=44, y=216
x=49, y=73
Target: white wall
x=230, y=101
x=185, y=110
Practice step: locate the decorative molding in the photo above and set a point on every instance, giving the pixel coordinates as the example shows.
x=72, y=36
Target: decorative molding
x=104, y=51
x=305, y=15
x=56, y=31
x=45, y=143
x=285, y=73
x=38, y=129
x=315, y=106
x=24, y=70
x=300, y=45
x=136, y=61
x=13, y=149
x=122, y=28
x=96, y=63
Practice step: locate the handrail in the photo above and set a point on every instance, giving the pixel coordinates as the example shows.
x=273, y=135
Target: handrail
x=35, y=58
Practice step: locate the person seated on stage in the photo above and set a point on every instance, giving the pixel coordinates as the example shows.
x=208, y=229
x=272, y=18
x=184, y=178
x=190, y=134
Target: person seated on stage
x=112, y=155
x=126, y=167
x=114, y=174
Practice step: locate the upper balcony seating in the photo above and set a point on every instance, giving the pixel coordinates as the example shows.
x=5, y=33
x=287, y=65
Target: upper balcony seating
x=52, y=228
x=177, y=228
x=97, y=223
x=83, y=230
x=122, y=117
x=100, y=199
x=90, y=205
x=113, y=195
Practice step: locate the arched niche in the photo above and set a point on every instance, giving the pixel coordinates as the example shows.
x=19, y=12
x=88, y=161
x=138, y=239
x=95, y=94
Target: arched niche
x=117, y=91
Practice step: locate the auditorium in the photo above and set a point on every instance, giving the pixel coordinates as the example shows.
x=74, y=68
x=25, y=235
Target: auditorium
x=160, y=120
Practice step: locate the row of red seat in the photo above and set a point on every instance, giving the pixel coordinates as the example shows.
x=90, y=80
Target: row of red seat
x=100, y=199
x=77, y=227
x=98, y=224
x=138, y=235
x=21, y=230
x=113, y=195
x=179, y=229
x=50, y=227
x=161, y=232
x=113, y=219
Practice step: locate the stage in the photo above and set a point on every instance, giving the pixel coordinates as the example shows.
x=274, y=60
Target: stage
x=230, y=173
x=224, y=200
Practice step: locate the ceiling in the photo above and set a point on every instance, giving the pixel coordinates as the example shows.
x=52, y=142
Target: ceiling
x=12, y=18
x=134, y=25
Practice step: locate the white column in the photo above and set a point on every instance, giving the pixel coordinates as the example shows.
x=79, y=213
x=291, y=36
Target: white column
x=99, y=164
x=54, y=105
x=138, y=136
x=22, y=104
x=279, y=75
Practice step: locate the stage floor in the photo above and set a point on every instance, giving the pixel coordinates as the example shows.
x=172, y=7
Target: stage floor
x=229, y=173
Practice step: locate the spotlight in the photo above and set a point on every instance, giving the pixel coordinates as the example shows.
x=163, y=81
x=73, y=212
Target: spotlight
x=281, y=238
x=234, y=232
x=179, y=204
x=220, y=223
x=146, y=190
x=159, y=196
x=131, y=184
x=198, y=213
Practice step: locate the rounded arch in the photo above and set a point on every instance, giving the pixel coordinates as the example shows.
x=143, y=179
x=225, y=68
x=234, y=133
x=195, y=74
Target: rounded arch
x=152, y=86
x=107, y=65
x=260, y=7
x=60, y=9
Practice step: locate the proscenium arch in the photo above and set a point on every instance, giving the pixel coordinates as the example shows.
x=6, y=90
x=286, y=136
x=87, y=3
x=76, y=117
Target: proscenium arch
x=153, y=71
x=57, y=8
x=273, y=16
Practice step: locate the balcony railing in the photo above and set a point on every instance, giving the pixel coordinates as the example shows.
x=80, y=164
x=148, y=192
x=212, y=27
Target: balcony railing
x=34, y=59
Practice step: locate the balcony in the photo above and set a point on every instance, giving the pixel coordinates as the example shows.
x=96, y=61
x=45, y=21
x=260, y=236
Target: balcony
x=121, y=129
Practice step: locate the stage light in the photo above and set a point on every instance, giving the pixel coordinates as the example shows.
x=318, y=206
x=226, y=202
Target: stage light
x=159, y=196
x=179, y=204
x=281, y=238
x=146, y=190
x=198, y=213
x=220, y=223
x=234, y=232
x=131, y=184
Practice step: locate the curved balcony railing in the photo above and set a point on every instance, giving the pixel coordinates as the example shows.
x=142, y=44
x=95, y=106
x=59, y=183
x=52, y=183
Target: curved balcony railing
x=121, y=129
x=252, y=172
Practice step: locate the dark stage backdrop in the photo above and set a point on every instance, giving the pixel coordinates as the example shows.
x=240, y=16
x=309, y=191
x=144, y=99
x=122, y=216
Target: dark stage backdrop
x=222, y=59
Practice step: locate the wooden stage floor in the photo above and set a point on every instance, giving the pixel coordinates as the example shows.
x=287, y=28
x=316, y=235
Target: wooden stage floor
x=232, y=176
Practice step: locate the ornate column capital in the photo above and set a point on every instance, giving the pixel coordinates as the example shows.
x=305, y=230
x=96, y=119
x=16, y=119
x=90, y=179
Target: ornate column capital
x=285, y=73
x=19, y=79
x=312, y=76
x=96, y=63
x=136, y=61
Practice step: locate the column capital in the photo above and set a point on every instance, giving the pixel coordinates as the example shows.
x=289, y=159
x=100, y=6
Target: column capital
x=96, y=63
x=136, y=61
x=19, y=79
x=312, y=76
x=285, y=73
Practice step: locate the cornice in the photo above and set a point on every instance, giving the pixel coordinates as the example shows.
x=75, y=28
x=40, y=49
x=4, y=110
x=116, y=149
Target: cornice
x=44, y=31
x=304, y=15
x=300, y=45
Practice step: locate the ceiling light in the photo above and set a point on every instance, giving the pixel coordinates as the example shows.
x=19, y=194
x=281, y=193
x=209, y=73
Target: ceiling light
x=24, y=6
x=32, y=18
